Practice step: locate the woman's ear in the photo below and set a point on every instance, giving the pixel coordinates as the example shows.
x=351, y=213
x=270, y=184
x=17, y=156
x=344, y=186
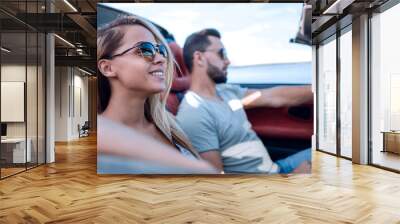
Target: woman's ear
x=106, y=68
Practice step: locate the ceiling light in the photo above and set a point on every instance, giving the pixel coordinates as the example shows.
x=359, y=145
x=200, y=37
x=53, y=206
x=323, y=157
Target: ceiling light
x=337, y=7
x=70, y=5
x=84, y=71
x=5, y=49
x=65, y=41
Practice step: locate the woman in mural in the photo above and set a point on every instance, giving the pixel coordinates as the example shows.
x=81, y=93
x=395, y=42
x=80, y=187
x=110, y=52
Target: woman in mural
x=135, y=75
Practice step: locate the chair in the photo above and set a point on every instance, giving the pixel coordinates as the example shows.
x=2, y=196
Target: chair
x=84, y=130
x=181, y=79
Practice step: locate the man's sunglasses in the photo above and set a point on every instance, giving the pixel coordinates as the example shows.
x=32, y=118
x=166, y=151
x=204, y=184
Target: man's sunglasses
x=146, y=49
x=221, y=53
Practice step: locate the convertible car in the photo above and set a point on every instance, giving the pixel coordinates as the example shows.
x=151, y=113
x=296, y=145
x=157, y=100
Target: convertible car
x=284, y=131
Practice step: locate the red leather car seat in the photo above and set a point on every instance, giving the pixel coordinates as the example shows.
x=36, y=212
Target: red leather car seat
x=278, y=123
x=181, y=79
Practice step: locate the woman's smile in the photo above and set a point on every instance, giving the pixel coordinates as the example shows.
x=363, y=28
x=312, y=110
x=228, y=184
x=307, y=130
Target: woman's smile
x=159, y=74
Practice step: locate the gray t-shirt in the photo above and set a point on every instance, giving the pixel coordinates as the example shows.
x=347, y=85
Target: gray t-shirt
x=219, y=125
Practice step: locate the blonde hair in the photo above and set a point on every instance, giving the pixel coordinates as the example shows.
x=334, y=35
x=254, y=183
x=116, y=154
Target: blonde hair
x=108, y=40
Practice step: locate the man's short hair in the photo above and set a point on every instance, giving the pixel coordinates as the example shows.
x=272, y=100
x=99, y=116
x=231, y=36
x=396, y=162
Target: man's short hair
x=197, y=42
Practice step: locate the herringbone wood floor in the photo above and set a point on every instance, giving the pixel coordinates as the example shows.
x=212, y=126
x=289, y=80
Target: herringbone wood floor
x=70, y=191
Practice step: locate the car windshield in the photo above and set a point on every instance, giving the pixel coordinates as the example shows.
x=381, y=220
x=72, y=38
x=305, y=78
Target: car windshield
x=282, y=73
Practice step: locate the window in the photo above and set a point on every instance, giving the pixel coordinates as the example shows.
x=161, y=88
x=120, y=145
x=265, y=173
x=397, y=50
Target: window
x=385, y=89
x=346, y=94
x=327, y=97
x=22, y=89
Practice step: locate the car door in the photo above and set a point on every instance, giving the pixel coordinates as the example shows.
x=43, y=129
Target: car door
x=287, y=130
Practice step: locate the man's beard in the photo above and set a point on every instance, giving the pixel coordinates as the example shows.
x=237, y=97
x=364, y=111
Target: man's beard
x=216, y=74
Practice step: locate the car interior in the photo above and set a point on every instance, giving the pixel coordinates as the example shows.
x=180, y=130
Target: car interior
x=284, y=131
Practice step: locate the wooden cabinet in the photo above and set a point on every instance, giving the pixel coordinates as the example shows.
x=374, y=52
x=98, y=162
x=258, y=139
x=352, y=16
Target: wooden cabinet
x=391, y=142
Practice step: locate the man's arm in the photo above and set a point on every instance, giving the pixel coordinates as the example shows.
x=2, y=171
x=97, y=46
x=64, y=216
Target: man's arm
x=214, y=158
x=282, y=96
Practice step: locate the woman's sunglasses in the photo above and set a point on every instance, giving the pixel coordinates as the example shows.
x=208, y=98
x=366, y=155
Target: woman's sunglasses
x=146, y=49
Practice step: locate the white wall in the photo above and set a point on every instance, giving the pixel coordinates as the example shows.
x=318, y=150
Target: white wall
x=17, y=73
x=33, y=126
x=14, y=72
x=81, y=101
x=71, y=93
x=61, y=103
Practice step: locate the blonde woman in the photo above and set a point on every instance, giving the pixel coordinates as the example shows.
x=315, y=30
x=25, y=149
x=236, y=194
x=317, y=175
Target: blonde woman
x=135, y=76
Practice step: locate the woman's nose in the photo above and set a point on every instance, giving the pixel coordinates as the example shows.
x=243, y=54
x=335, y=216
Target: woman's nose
x=158, y=58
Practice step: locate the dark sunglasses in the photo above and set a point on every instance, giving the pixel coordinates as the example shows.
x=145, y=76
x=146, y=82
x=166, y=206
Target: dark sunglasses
x=221, y=53
x=146, y=49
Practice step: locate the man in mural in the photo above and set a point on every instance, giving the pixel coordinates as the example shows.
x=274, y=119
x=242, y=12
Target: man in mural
x=212, y=112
